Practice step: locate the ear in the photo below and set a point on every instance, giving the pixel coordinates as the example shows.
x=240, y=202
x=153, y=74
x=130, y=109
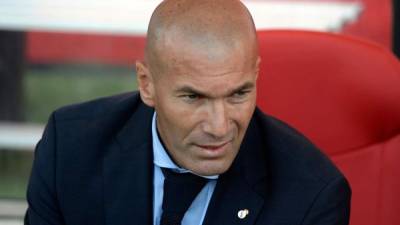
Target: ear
x=145, y=83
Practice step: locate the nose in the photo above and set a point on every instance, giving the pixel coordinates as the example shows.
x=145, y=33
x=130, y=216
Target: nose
x=217, y=122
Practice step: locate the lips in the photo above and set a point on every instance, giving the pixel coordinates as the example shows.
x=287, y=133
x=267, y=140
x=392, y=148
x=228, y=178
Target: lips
x=213, y=147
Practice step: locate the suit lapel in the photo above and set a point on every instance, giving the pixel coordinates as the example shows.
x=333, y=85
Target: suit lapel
x=242, y=188
x=128, y=172
x=230, y=197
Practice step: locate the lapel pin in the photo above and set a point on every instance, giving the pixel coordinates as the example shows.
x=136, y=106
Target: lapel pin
x=243, y=213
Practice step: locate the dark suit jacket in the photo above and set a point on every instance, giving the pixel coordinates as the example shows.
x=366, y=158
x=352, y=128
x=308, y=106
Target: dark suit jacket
x=94, y=166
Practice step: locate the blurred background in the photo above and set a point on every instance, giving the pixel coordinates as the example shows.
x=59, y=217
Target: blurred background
x=58, y=52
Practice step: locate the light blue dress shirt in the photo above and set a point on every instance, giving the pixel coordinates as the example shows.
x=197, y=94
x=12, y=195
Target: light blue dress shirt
x=195, y=214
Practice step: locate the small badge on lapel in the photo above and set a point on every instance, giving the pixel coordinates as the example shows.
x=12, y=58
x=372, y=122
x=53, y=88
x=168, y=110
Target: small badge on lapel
x=243, y=213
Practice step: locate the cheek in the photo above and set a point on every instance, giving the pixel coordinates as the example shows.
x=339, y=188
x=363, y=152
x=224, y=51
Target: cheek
x=176, y=120
x=243, y=113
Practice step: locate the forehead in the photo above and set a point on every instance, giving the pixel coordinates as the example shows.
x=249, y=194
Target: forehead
x=206, y=62
x=205, y=55
x=179, y=43
x=217, y=74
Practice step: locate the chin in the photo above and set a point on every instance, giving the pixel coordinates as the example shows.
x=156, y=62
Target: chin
x=216, y=168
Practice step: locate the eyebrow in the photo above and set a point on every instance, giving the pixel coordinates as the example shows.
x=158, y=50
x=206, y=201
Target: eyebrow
x=189, y=89
x=247, y=85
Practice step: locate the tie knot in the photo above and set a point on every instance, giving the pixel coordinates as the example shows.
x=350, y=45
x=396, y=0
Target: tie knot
x=183, y=178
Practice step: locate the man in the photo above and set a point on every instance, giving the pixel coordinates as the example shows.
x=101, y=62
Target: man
x=120, y=160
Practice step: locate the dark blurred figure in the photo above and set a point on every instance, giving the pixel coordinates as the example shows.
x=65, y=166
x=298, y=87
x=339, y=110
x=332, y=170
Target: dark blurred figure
x=12, y=62
x=396, y=27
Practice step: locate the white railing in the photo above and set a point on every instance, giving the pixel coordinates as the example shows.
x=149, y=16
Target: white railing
x=12, y=212
x=132, y=16
x=11, y=222
x=19, y=136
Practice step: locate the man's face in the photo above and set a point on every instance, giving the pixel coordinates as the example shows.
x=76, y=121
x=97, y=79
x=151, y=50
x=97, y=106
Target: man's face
x=204, y=104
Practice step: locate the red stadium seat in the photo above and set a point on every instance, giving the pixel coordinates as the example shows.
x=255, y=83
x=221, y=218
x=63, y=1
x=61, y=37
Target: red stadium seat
x=343, y=93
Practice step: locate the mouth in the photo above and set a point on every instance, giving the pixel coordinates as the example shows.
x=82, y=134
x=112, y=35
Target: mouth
x=213, y=147
x=214, y=150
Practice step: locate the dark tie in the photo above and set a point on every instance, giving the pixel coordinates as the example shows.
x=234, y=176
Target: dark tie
x=180, y=189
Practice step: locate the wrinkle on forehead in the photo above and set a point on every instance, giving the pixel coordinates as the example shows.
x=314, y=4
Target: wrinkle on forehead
x=207, y=88
x=211, y=28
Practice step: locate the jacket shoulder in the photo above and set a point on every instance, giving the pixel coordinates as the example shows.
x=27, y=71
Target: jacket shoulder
x=100, y=107
x=90, y=124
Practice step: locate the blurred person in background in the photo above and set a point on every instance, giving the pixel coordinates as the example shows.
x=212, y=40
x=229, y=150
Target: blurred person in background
x=190, y=147
x=396, y=27
x=12, y=46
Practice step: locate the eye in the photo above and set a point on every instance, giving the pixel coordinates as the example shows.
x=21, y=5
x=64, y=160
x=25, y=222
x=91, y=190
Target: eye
x=240, y=94
x=190, y=97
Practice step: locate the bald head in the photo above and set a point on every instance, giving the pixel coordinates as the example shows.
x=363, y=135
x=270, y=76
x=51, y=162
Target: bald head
x=212, y=28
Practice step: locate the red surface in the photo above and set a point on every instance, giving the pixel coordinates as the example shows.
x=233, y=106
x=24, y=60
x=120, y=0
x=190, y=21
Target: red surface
x=47, y=47
x=344, y=94
x=374, y=24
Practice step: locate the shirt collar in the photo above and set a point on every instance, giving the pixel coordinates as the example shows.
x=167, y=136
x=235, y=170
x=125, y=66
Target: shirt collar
x=161, y=158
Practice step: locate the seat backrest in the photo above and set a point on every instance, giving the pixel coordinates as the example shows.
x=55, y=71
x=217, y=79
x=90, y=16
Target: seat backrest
x=343, y=93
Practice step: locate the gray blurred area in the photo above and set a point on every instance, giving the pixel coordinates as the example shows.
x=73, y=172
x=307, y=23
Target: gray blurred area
x=12, y=64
